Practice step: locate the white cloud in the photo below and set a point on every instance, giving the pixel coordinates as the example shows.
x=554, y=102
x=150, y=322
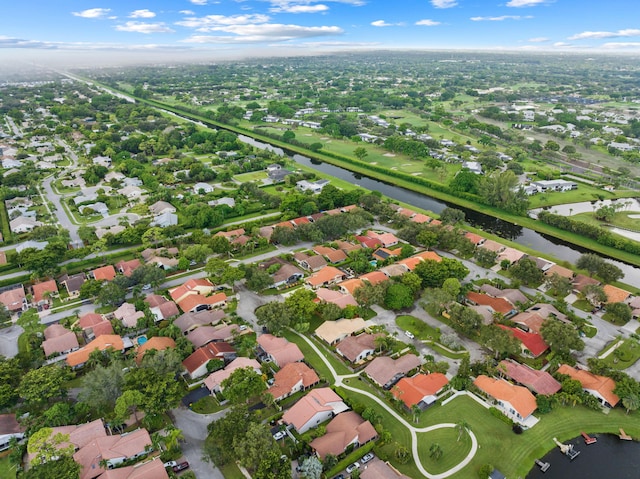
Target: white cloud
x=198, y=2
x=263, y=33
x=210, y=23
x=92, y=13
x=299, y=8
x=629, y=32
x=142, y=14
x=187, y=12
x=444, y=3
x=620, y=45
x=382, y=23
x=142, y=27
x=499, y=19
x=526, y=3
x=427, y=23
x=561, y=44
x=538, y=40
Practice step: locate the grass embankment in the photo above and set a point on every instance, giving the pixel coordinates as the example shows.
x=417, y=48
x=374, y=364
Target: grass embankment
x=7, y=471
x=623, y=356
x=453, y=451
x=624, y=219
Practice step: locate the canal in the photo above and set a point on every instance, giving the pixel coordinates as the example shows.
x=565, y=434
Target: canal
x=548, y=244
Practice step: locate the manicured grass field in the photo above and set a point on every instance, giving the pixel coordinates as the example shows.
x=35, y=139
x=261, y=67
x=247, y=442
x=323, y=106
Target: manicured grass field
x=7, y=471
x=251, y=176
x=231, y=471
x=453, y=451
x=622, y=218
x=310, y=355
x=206, y=405
x=420, y=329
x=624, y=355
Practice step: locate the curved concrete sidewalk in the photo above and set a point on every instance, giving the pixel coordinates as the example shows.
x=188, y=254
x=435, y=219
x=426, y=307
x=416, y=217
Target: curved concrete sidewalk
x=412, y=429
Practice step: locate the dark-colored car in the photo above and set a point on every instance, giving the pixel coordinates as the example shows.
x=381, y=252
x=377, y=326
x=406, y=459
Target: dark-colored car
x=181, y=466
x=339, y=476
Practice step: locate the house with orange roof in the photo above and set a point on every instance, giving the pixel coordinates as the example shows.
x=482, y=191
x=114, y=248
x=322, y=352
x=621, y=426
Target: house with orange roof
x=357, y=348
x=531, y=344
x=330, y=254
x=196, y=363
x=601, y=387
x=511, y=255
x=560, y=271
x=342, y=431
x=325, y=277
x=349, y=286
x=335, y=297
x=128, y=267
x=538, y=382
x=292, y=378
x=105, y=342
x=333, y=331
x=383, y=254
x=494, y=246
x=44, y=292
x=374, y=277
x=368, y=242
x=199, y=286
x=279, y=350
x=615, y=294
x=428, y=256
x=314, y=408
x=230, y=234
x=153, y=469
x=515, y=402
x=347, y=246
x=215, y=379
x=419, y=218
x=420, y=390
x=475, y=238
x=409, y=264
x=94, y=325
x=156, y=343
x=198, y=302
x=386, y=371
x=386, y=239
x=303, y=220
x=406, y=212
x=106, y=273
x=499, y=305
x=14, y=299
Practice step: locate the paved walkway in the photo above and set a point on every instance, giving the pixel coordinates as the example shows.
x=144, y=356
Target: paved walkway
x=338, y=379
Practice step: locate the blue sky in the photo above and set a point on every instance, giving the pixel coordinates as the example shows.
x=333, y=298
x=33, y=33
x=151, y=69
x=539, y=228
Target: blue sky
x=303, y=26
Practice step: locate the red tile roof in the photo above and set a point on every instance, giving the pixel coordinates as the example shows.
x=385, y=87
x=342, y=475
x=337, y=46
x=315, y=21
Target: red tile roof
x=497, y=304
x=532, y=341
x=413, y=390
x=290, y=376
x=41, y=288
x=540, y=382
x=106, y=273
x=328, y=274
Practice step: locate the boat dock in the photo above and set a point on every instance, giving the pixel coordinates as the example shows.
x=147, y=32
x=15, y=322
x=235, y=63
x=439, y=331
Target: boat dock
x=588, y=439
x=544, y=466
x=624, y=436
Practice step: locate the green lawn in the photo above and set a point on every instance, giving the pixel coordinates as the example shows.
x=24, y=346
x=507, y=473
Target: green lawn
x=419, y=328
x=583, y=193
x=251, y=176
x=206, y=405
x=624, y=355
x=7, y=471
x=310, y=355
x=453, y=451
x=624, y=219
x=231, y=471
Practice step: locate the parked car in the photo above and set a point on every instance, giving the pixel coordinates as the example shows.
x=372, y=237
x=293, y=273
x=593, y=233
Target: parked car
x=409, y=334
x=181, y=466
x=353, y=467
x=279, y=435
x=170, y=464
x=366, y=458
x=339, y=476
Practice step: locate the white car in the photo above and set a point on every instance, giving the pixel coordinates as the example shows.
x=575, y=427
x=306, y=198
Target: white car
x=367, y=457
x=279, y=435
x=409, y=334
x=170, y=464
x=352, y=467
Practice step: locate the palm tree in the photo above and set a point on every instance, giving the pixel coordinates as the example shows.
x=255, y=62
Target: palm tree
x=415, y=409
x=435, y=451
x=172, y=438
x=462, y=426
x=631, y=402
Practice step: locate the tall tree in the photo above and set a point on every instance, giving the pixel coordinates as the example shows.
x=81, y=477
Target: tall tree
x=243, y=385
x=274, y=316
x=128, y=404
x=39, y=386
x=561, y=337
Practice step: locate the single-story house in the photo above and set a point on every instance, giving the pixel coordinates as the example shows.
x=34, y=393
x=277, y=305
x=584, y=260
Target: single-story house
x=128, y=267
x=94, y=325
x=206, y=334
x=287, y=274
x=156, y=343
x=10, y=429
x=538, y=382
x=531, y=344
x=314, y=408
x=386, y=239
x=312, y=263
x=326, y=277
x=343, y=430
x=59, y=340
x=293, y=377
x=516, y=402
x=160, y=207
x=386, y=371
x=128, y=315
x=279, y=350
x=14, y=298
x=420, y=390
x=153, y=469
x=358, y=348
x=73, y=283
x=601, y=387
x=165, y=219
x=333, y=331
x=105, y=273
x=193, y=286
x=44, y=292
x=104, y=342
x=23, y=224
x=198, y=302
x=336, y=297
x=499, y=305
x=196, y=363
x=202, y=188
x=215, y=379
x=189, y=321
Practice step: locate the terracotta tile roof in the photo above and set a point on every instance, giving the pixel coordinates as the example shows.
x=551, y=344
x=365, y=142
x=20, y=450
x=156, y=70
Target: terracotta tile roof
x=214, y=380
x=41, y=288
x=428, y=256
x=511, y=254
x=128, y=267
x=353, y=346
x=350, y=285
x=169, y=310
x=410, y=263
x=230, y=234
x=615, y=294
x=157, y=343
x=90, y=319
x=149, y=470
x=333, y=331
x=367, y=242
x=336, y=297
x=101, y=343
x=560, y=271
x=580, y=281
x=347, y=247
x=519, y=397
x=374, y=277
x=533, y=342
x=387, y=239
x=407, y=212
x=281, y=351
x=326, y=275
x=532, y=321
x=201, y=286
x=283, y=224
x=540, y=382
x=497, y=304
x=343, y=430
x=155, y=300
x=205, y=354
x=193, y=301
x=601, y=384
x=420, y=218
x=13, y=299
x=415, y=389
x=82, y=434
x=303, y=220
x=378, y=469
x=435, y=223
x=188, y=321
x=106, y=273
x=241, y=240
x=290, y=377
x=474, y=238
x=315, y=401
x=384, y=370
x=333, y=255
x=492, y=246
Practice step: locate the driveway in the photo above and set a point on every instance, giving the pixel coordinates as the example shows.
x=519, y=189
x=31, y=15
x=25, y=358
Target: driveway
x=194, y=428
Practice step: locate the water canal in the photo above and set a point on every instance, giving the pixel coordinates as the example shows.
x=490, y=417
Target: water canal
x=524, y=236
